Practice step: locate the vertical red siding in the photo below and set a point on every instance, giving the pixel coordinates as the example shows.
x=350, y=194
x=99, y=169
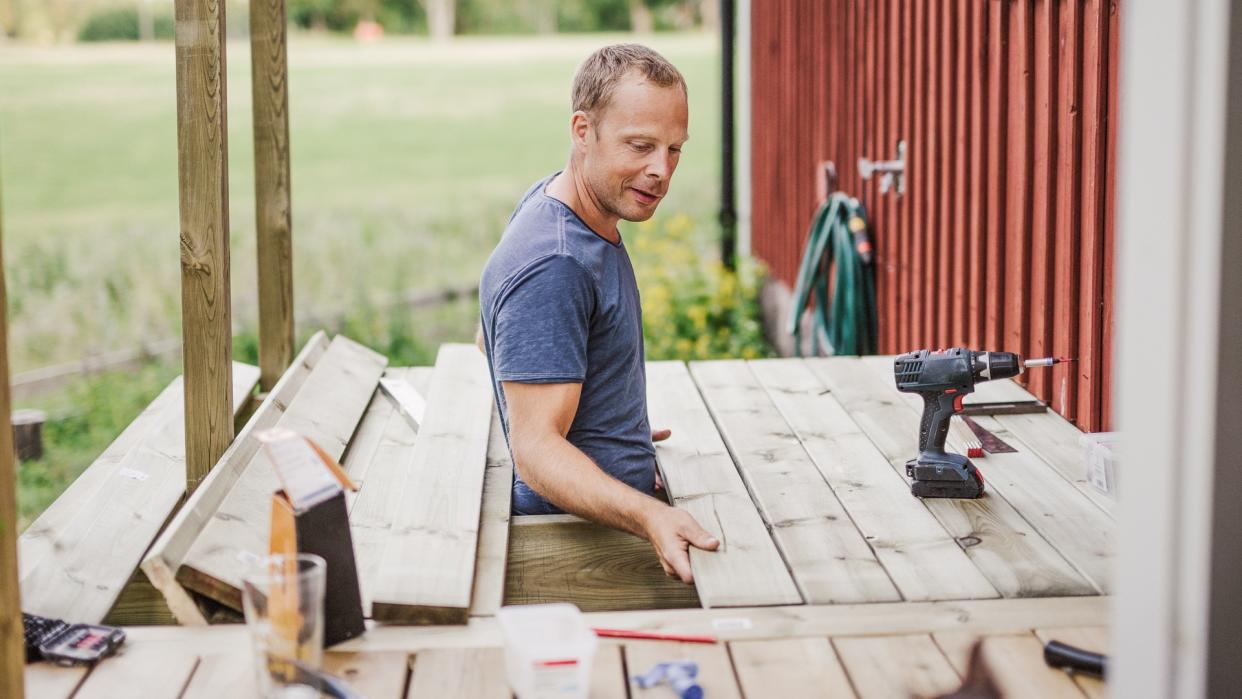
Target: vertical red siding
x=1004, y=237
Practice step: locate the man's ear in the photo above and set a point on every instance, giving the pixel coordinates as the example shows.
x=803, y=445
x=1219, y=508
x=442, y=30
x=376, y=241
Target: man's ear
x=580, y=126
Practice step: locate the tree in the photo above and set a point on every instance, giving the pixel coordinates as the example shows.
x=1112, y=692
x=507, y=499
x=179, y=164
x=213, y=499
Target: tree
x=441, y=18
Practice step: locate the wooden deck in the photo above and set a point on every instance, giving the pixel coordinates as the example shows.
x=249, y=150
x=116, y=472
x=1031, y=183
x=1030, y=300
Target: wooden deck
x=831, y=577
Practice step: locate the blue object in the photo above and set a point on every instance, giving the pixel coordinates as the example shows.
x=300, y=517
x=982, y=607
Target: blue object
x=679, y=674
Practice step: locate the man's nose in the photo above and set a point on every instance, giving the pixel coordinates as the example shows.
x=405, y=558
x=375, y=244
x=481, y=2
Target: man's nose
x=660, y=165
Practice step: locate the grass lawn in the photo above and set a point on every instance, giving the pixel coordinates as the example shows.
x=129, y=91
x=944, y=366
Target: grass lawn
x=407, y=159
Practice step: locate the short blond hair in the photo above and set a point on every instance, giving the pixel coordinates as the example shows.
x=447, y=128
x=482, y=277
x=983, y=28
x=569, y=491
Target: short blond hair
x=596, y=79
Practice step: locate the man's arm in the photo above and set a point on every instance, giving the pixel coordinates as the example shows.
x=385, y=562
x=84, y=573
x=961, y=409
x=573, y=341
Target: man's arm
x=539, y=419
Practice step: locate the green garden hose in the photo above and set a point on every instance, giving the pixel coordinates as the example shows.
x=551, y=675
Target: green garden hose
x=845, y=320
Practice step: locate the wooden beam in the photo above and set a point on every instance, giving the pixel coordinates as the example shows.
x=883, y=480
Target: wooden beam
x=702, y=479
x=169, y=550
x=203, y=184
x=562, y=558
x=730, y=624
x=269, y=81
x=327, y=409
x=440, y=499
x=829, y=558
x=12, y=644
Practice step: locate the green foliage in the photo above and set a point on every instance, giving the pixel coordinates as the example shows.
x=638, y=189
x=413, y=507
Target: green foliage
x=694, y=308
x=121, y=24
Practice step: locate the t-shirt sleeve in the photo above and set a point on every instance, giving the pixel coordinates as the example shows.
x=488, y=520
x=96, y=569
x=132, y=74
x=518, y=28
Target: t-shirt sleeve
x=542, y=323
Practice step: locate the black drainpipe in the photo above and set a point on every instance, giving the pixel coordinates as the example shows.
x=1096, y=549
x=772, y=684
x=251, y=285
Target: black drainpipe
x=728, y=210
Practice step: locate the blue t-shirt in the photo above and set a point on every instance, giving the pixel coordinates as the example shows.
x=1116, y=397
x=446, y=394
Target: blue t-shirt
x=559, y=304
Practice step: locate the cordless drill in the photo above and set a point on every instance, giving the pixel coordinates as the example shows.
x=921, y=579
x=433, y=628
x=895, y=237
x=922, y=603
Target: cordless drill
x=944, y=378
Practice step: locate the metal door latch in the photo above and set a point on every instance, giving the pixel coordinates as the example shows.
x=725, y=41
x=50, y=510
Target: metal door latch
x=891, y=171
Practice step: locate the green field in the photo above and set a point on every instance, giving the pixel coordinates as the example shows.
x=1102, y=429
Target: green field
x=407, y=158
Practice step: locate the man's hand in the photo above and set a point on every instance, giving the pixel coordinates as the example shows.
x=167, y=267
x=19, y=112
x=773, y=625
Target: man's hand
x=672, y=532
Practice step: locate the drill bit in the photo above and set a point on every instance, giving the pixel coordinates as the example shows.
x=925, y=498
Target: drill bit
x=1047, y=361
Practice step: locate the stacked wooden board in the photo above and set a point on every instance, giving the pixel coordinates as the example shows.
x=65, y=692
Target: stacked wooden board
x=76, y=558
x=419, y=498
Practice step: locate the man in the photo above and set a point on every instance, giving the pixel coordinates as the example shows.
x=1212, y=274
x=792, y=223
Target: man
x=562, y=327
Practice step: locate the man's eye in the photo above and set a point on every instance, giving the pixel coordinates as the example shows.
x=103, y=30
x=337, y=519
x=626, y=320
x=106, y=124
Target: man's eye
x=641, y=147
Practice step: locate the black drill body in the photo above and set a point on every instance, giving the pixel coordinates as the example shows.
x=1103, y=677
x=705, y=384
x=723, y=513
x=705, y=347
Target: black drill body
x=944, y=378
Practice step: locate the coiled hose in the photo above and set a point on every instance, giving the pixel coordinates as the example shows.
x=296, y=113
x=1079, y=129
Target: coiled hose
x=845, y=320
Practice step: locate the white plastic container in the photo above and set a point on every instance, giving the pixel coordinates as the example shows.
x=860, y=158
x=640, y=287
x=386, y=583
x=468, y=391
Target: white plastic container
x=548, y=651
x=1100, y=455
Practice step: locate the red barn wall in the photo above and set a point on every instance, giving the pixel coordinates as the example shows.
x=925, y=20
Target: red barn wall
x=1003, y=238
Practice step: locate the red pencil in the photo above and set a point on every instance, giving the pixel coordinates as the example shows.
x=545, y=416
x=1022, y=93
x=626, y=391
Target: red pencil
x=645, y=635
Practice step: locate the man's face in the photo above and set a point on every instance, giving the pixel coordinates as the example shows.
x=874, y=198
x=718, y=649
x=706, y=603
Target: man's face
x=632, y=146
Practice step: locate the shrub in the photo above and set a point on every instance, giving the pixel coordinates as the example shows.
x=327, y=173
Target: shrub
x=693, y=307
x=121, y=24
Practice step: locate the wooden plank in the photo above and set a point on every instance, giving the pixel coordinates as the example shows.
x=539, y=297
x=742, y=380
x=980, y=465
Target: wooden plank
x=459, y=672
x=39, y=539
x=203, y=185
x=169, y=550
x=828, y=557
x=147, y=670
x=378, y=502
x=224, y=674
x=441, y=499
x=715, y=671
x=47, y=681
x=12, y=643
x=1015, y=663
x=375, y=460
x=925, y=562
x=490, y=562
x=790, y=667
x=96, y=553
x=380, y=675
x=896, y=666
x=1006, y=548
x=702, y=479
x=273, y=228
x=326, y=410
x=1092, y=638
x=561, y=558
x=998, y=139
x=608, y=680
x=1082, y=532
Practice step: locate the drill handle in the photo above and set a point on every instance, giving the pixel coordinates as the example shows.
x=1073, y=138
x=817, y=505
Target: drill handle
x=938, y=408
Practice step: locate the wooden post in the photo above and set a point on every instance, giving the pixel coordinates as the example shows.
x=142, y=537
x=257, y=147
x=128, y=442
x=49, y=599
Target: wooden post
x=12, y=645
x=202, y=155
x=271, y=185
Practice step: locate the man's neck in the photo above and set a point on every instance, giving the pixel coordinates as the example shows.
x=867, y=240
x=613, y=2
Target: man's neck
x=571, y=189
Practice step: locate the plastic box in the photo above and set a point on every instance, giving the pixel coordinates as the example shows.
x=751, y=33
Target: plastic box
x=1099, y=454
x=548, y=651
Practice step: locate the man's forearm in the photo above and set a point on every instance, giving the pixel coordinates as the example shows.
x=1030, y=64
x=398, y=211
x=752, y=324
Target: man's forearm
x=569, y=479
